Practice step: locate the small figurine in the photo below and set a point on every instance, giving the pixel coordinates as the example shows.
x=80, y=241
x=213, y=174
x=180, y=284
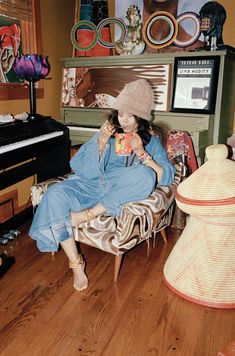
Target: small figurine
x=133, y=42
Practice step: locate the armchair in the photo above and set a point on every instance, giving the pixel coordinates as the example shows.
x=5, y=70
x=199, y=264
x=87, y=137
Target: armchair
x=138, y=220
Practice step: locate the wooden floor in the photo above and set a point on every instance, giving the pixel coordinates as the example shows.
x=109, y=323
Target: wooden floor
x=41, y=313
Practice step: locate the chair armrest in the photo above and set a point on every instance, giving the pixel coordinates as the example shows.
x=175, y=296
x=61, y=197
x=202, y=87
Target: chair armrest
x=39, y=189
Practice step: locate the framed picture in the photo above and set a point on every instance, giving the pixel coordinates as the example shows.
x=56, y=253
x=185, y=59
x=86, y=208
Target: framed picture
x=20, y=34
x=195, y=84
x=98, y=87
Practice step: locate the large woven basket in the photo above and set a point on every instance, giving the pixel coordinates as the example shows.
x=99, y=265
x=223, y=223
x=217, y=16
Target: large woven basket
x=201, y=266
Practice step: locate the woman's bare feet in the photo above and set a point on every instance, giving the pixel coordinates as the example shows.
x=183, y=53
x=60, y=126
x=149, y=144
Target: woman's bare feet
x=80, y=280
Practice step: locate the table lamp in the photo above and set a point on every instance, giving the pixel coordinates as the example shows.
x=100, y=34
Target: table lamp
x=31, y=67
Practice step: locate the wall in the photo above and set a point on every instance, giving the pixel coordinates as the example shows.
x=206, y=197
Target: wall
x=57, y=18
x=229, y=28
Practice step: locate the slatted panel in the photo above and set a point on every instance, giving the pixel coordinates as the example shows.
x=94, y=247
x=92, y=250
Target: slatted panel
x=19, y=9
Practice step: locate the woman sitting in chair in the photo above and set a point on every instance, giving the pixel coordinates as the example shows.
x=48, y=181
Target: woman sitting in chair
x=104, y=181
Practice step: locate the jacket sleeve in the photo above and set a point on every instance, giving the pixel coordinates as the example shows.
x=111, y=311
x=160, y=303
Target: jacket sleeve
x=85, y=163
x=159, y=154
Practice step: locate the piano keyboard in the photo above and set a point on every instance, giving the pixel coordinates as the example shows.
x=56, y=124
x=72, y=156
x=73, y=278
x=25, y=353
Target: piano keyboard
x=82, y=128
x=30, y=141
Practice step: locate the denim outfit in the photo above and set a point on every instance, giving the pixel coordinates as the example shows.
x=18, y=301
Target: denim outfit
x=110, y=180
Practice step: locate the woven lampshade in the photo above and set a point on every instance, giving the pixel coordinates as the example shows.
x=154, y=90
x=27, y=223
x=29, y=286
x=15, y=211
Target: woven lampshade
x=201, y=265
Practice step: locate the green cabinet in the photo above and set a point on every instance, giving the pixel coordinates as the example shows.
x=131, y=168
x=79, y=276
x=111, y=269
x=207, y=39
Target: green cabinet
x=205, y=129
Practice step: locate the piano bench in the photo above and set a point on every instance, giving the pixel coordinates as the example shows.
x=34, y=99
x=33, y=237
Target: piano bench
x=38, y=190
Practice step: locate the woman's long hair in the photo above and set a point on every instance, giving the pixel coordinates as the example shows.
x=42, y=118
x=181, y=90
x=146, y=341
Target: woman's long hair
x=145, y=128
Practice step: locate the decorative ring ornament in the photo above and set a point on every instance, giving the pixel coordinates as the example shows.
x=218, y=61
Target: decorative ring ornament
x=148, y=37
x=196, y=19
x=111, y=20
x=73, y=35
x=171, y=21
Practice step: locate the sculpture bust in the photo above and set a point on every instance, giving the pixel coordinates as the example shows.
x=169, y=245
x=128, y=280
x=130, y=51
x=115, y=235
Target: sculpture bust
x=133, y=42
x=213, y=16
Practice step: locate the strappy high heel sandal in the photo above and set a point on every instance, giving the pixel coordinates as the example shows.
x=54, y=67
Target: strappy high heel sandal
x=73, y=265
x=88, y=215
x=78, y=261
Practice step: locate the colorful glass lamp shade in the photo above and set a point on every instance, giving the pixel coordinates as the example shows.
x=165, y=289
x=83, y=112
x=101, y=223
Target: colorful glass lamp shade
x=31, y=67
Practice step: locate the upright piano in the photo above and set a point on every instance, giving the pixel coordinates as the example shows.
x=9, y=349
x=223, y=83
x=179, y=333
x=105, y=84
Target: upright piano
x=38, y=147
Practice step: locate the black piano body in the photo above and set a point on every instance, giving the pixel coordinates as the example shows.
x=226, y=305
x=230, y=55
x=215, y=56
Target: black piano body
x=38, y=147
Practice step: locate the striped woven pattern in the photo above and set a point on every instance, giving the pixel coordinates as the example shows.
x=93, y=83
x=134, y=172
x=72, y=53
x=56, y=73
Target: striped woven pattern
x=201, y=266
x=214, y=180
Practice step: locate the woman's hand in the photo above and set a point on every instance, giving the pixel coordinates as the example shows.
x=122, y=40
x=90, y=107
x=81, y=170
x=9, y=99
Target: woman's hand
x=106, y=131
x=137, y=144
x=138, y=148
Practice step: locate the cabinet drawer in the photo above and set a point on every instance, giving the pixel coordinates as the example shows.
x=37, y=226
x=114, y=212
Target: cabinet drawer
x=184, y=122
x=84, y=117
x=79, y=135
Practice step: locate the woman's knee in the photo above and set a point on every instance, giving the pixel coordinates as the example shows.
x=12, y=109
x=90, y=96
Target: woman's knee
x=55, y=191
x=140, y=181
x=145, y=175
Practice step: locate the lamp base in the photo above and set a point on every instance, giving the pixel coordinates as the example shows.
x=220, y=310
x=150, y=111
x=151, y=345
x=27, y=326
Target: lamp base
x=32, y=98
x=32, y=117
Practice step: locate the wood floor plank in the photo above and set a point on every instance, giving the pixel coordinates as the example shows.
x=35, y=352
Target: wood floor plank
x=41, y=313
